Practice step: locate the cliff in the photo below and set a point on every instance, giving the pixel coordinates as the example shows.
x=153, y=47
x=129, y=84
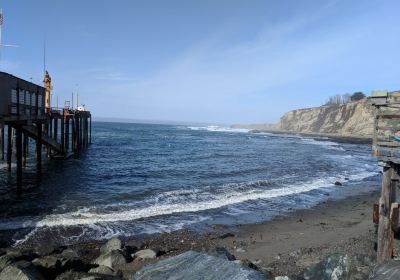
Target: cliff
x=350, y=119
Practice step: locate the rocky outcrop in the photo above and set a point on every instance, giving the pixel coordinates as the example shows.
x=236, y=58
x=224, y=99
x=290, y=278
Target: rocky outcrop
x=196, y=265
x=350, y=119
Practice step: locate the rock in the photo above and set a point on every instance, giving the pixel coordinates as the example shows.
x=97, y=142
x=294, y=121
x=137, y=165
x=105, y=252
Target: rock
x=288, y=278
x=74, y=275
x=339, y=267
x=5, y=260
x=295, y=254
x=247, y=263
x=21, y=270
x=221, y=252
x=337, y=183
x=54, y=265
x=112, y=245
x=145, y=254
x=386, y=271
x=240, y=250
x=45, y=249
x=135, y=244
x=112, y=259
x=195, y=266
x=226, y=235
x=105, y=270
x=70, y=253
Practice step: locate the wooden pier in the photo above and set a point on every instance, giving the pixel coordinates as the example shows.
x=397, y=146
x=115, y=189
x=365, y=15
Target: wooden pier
x=386, y=148
x=26, y=115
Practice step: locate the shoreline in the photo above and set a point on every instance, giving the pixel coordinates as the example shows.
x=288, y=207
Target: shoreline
x=285, y=245
x=357, y=139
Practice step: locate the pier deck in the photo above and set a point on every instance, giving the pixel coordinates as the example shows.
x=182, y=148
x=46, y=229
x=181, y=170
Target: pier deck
x=25, y=115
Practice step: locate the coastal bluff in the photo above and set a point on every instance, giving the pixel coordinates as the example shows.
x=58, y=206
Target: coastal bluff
x=349, y=119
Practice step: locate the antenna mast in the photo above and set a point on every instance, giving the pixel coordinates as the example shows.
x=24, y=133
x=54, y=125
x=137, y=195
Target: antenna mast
x=44, y=56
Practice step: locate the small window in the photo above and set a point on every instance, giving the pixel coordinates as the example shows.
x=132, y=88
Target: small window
x=33, y=99
x=40, y=101
x=14, y=110
x=28, y=98
x=21, y=96
x=13, y=96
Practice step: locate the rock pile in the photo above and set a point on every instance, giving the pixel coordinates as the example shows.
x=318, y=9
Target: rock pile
x=116, y=260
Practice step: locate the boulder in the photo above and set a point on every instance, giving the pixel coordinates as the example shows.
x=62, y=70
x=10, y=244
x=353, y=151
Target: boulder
x=386, y=271
x=337, y=183
x=112, y=245
x=70, y=253
x=195, y=266
x=54, y=265
x=145, y=254
x=5, y=260
x=74, y=275
x=221, y=252
x=112, y=259
x=105, y=270
x=135, y=245
x=21, y=270
x=45, y=249
x=340, y=267
x=226, y=235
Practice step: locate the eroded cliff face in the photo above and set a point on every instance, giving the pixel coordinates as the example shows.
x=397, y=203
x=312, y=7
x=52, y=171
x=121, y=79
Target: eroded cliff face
x=351, y=119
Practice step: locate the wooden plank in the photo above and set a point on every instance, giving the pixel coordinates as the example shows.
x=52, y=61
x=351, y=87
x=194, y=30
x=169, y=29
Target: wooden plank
x=375, y=214
x=385, y=233
x=388, y=144
x=394, y=216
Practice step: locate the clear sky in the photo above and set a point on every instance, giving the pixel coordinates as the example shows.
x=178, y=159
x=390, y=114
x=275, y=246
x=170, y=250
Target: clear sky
x=225, y=61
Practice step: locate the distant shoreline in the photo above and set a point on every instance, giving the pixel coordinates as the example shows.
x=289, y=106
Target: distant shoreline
x=359, y=139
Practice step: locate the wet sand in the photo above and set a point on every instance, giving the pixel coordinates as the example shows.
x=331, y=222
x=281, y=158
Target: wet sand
x=286, y=245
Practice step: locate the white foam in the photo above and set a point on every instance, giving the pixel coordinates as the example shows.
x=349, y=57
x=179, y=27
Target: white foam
x=216, y=128
x=326, y=144
x=88, y=216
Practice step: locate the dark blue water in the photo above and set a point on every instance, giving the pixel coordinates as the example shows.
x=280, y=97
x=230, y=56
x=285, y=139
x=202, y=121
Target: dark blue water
x=142, y=179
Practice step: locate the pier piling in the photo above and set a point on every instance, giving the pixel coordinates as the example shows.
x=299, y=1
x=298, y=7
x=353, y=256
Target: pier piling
x=2, y=142
x=9, y=147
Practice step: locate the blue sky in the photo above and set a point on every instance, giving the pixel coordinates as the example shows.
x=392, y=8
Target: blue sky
x=203, y=61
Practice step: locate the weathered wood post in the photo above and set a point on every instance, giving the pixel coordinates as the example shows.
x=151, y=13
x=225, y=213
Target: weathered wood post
x=90, y=130
x=385, y=232
x=63, y=131
x=55, y=134
x=386, y=147
x=39, y=149
x=66, y=134
x=2, y=142
x=73, y=138
x=25, y=149
x=9, y=147
x=19, y=156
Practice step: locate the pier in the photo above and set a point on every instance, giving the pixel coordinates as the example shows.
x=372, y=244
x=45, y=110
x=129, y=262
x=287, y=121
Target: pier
x=26, y=115
x=386, y=148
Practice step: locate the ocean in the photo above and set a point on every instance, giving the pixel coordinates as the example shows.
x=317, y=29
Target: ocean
x=138, y=179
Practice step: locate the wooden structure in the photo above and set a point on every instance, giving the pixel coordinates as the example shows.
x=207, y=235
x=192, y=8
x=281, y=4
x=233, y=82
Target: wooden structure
x=386, y=147
x=25, y=114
